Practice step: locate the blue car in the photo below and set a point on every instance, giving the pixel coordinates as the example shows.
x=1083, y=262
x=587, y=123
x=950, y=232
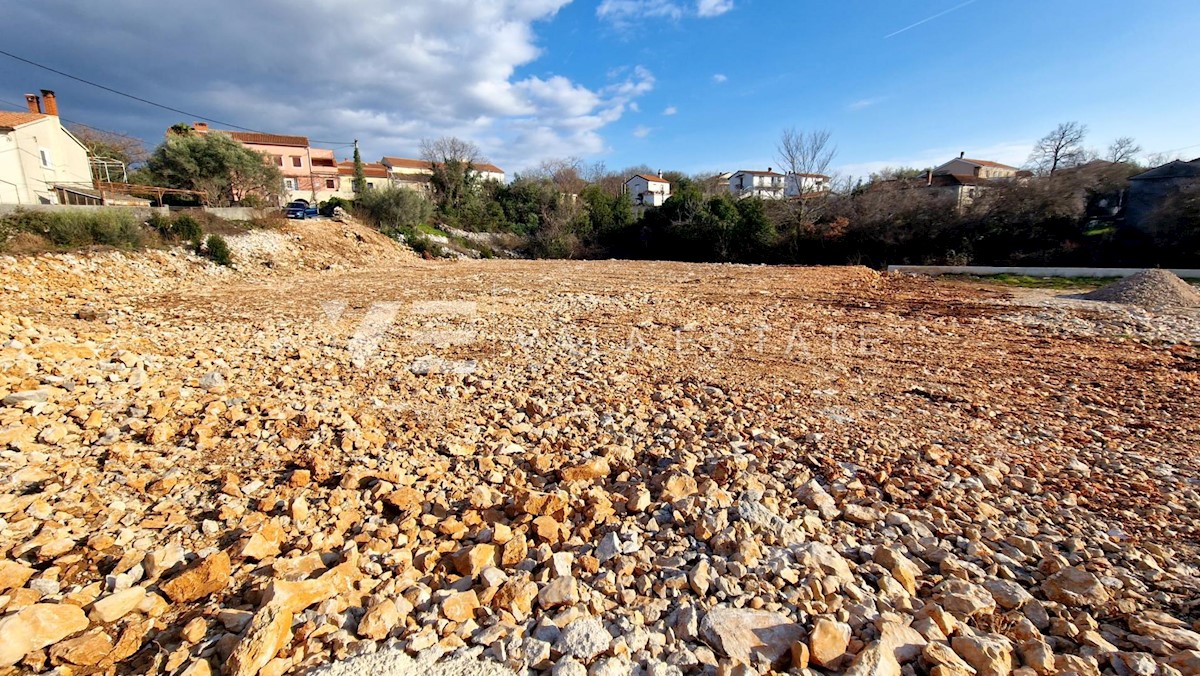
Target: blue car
x=300, y=209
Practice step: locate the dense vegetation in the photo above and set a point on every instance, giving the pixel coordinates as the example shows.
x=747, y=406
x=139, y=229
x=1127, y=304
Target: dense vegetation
x=893, y=219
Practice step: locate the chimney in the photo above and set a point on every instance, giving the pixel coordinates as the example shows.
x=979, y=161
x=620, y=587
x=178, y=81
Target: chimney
x=962, y=154
x=200, y=126
x=50, y=102
x=34, y=103
x=929, y=178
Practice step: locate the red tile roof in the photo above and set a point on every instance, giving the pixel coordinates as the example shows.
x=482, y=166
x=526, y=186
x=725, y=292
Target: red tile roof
x=370, y=169
x=986, y=163
x=267, y=139
x=802, y=175
x=652, y=179
x=10, y=119
x=405, y=163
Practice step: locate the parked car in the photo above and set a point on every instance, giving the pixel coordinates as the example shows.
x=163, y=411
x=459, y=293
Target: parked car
x=300, y=209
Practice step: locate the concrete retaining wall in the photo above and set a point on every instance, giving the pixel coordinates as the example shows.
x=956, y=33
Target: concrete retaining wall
x=239, y=213
x=141, y=213
x=983, y=270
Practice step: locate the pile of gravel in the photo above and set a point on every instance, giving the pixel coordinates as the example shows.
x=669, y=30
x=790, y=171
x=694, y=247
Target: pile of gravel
x=1149, y=289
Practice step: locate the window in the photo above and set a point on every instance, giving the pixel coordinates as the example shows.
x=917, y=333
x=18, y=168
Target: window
x=329, y=183
x=279, y=160
x=296, y=162
x=289, y=183
x=44, y=153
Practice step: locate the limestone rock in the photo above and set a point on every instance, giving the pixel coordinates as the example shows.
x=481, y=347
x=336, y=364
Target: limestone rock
x=584, y=638
x=379, y=620
x=85, y=650
x=199, y=580
x=115, y=606
x=990, y=655
x=1075, y=587
x=874, y=660
x=750, y=635
x=268, y=633
x=460, y=606
x=37, y=626
x=827, y=642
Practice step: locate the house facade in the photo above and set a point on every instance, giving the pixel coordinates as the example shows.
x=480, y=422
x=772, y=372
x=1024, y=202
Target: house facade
x=767, y=185
x=408, y=173
x=1149, y=189
x=964, y=166
x=798, y=184
x=375, y=175
x=648, y=191
x=414, y=174
x=40, y=161
x=965, y=179
x=310, y=174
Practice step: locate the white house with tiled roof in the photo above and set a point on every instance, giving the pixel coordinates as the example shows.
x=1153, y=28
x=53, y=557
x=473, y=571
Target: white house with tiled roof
x=796, y=184
x=40, y=161
x=768, y=185
x=405, y=172
x=646, y=190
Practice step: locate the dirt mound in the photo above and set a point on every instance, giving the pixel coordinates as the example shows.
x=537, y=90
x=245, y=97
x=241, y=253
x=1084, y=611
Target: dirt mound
x=1150, y=289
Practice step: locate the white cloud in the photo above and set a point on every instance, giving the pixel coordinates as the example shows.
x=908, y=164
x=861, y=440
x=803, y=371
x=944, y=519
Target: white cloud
x=719, y=78
x=713, y=7
x=626, y=14
x=862, y=104
x=389, y=74
x=670, y=110
x=641, y=131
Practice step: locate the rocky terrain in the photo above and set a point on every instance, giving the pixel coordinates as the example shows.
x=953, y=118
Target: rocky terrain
x=585, y=468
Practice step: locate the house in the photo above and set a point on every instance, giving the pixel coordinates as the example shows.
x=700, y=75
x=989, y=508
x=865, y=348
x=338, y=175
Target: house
x=408, y=173
x=40, y=161
x=965, y=179
x=375, y=175
x=964, y=166
x=798, y=184
x=763, y=184
x=1149, y=189
x=310, y=174
x=415, y=174
x=646, y=190
x=489, y=172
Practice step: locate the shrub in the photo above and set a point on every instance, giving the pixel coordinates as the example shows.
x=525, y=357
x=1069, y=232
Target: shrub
x=161, y=224
x=72, y=229
x=327, y=207
x=393, y=210
x=217, y=250
x=187, y=229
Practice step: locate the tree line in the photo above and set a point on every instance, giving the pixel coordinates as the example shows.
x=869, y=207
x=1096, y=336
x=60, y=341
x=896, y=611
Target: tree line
x=567, y=208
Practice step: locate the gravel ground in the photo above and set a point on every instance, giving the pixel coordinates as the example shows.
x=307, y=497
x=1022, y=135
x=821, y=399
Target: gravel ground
x=586, y=467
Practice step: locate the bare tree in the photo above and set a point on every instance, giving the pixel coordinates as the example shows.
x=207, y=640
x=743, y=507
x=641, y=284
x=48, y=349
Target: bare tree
x=1060, y=149
x=565, y=173
x=799, y=153
x=802, y=152
x=450, y=149
x=1124, y=150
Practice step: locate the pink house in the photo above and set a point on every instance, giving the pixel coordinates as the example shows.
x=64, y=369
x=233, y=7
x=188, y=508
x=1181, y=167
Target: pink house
x=309, y=174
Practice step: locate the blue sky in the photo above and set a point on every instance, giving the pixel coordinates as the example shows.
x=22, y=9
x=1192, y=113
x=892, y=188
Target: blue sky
x=988, y=78
x=903, y=82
